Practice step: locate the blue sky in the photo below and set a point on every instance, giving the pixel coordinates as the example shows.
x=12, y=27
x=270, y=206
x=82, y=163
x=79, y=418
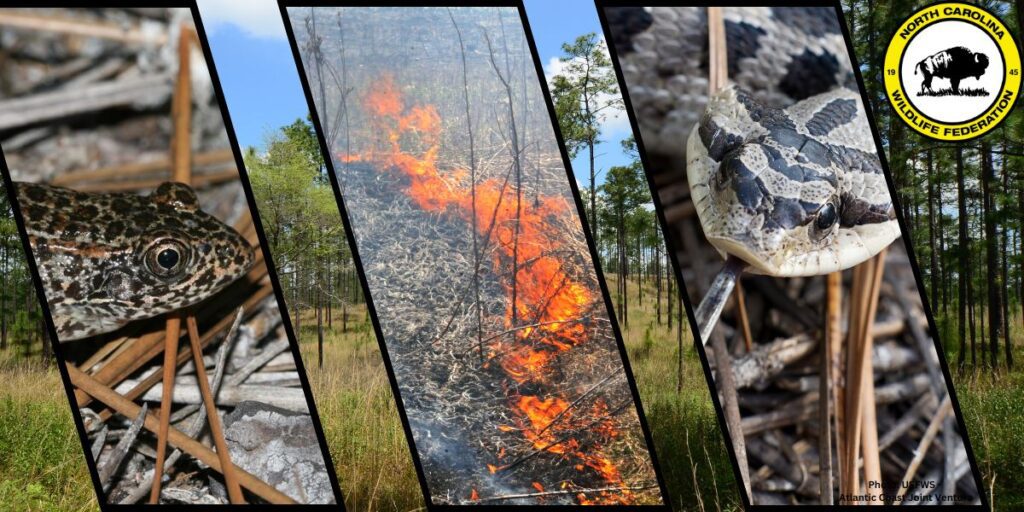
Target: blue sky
x=263, y=91
x=255, y=65
x=554, y=22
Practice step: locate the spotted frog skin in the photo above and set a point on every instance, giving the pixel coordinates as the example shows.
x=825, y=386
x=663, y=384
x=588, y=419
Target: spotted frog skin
x=109, y=259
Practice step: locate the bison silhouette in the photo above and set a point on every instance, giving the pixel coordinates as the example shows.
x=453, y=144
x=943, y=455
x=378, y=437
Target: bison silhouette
x=955, y=64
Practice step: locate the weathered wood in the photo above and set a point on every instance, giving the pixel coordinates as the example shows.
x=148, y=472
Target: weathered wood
x=175, y=436
x=768, y=360
x=143, y=91
x=92, y=28
x=113, y=463
x=187, y=392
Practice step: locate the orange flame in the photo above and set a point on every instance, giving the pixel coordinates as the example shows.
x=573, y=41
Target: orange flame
x=541, y=414
x=546, y=295
x=550, y=427
x=549, y=307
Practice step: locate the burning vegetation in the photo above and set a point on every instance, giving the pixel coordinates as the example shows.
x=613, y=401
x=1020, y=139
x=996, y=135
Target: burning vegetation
x=560, y=443
x=476, y=260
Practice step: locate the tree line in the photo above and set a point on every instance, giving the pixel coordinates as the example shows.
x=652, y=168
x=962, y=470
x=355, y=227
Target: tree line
x=962, y=202
x=22, y=329
x=307, y=239
x=619, y=208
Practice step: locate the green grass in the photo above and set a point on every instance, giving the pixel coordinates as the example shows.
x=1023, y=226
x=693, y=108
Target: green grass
x=689, y=445
x=41, y=464
x=993, y=411
x=371, y=455
x=360, y=420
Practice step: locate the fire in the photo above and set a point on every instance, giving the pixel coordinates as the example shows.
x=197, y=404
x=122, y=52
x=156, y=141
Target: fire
x=550, y=428
x=526, y=363
x=547, y=307
x=473, y=496
x=546, y=295
x=541, y=431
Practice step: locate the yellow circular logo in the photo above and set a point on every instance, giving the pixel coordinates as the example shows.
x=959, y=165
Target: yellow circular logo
x=952, y=71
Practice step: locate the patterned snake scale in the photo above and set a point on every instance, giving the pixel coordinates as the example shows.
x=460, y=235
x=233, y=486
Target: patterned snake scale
x=782, y=168
x=109, y=259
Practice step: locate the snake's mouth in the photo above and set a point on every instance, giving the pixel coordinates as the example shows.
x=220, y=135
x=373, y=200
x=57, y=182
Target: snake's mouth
x=849, y=246
x=780, y=263
x=859, y=243
x=756, y=261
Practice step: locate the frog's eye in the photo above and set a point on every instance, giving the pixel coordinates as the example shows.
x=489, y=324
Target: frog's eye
x=167, y=258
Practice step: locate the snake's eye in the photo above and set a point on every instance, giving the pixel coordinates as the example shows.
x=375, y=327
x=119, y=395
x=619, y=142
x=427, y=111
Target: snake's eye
x=827, y=217
x=167, y=258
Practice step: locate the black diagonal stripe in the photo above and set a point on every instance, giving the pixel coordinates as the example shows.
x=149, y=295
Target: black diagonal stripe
x=834, y=114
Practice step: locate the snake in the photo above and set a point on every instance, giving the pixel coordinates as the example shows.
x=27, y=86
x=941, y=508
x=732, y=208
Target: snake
x=108, y=259
x=781, y=164
x=792, y=192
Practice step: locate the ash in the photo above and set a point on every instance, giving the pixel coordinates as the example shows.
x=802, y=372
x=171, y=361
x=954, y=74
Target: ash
x=419, y=268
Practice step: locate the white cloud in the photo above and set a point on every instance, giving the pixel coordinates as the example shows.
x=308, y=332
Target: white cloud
x=552, y=68
x=257, y=18
x=615, y=125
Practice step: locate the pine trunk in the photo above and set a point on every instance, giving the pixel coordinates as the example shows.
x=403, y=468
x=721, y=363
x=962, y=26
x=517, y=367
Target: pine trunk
x=962, y=255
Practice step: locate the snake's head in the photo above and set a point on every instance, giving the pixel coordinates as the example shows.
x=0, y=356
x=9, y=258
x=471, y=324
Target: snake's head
x=784, y=200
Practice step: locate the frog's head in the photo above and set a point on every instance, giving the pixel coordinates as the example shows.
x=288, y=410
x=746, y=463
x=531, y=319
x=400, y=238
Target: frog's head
x=182, y=255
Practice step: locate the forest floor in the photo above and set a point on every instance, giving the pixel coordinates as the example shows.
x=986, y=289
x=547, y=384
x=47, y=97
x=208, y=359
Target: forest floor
x=41, y=463
x=688, y=443
x=372, y=457
x=993, y=412
x=40, y=458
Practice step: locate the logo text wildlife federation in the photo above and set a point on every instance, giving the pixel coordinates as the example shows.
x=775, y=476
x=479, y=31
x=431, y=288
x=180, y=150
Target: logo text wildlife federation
x=952, y=71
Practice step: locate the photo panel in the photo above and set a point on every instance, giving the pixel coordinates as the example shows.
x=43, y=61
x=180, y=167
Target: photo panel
x=477, y=268
x=177, y=357
x=782, y=227
x=312, y=258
